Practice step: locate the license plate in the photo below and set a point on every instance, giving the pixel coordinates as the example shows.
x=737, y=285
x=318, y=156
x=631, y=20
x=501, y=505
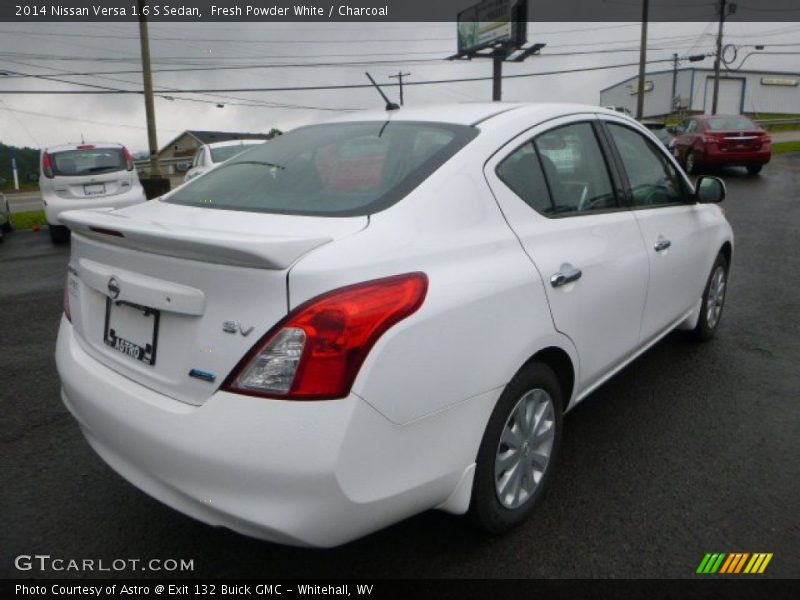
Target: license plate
x=94, y=189
x=132, y=330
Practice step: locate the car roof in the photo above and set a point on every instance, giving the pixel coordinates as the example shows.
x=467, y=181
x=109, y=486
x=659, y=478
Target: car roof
x=82, y=146
x=247, y=142
x=471, y=113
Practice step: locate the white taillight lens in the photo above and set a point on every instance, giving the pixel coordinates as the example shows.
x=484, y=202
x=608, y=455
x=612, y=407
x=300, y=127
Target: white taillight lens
x=274, y=368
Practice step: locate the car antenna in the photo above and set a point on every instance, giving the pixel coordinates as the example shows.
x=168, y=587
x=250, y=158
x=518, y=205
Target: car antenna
x=389, y=104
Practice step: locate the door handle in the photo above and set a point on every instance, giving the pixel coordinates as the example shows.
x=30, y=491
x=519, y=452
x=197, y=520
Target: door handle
x=661, y=245
x=566, y=275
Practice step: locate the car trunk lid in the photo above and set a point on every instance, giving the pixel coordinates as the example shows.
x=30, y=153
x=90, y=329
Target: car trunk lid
x=172, y=296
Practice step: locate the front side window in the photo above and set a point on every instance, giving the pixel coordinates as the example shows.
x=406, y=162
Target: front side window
x=335, y=169
x=653, y=179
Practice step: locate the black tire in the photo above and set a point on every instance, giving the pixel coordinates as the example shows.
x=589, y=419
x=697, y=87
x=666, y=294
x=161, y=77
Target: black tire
x=486, y=509
x=706, y=328
x=754, y=169
x=58, y=234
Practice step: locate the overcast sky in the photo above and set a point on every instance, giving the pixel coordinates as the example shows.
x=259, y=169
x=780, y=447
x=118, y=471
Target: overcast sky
x=54, y=49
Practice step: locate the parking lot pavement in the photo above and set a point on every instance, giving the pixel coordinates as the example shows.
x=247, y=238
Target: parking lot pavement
x=691, y=449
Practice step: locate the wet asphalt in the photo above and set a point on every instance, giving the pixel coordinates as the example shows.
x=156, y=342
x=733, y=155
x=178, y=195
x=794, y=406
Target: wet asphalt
x=691, y=449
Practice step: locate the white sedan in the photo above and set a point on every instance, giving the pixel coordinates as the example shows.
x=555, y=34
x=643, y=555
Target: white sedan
x=385, y=314
x=210, y=156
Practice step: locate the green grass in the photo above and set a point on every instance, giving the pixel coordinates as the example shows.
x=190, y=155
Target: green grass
x=27, y=220
x=24, y=186
x=784, y=147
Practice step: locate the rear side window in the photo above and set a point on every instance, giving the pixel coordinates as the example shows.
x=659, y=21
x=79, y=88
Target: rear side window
x=575, y=169
x=336, y=169
x=561, y=172
x=87, y=162
x=522, y=172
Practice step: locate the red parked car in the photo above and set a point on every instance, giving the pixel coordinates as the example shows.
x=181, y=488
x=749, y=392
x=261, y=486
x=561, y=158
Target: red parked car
x=716, y=140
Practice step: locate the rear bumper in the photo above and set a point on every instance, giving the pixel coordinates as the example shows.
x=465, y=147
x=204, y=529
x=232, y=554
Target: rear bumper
x=301, y=473
x=54, y=205
x=712, y=155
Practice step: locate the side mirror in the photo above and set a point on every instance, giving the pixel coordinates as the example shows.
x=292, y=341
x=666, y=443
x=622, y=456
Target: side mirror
x=709, y=190
x=183, y=166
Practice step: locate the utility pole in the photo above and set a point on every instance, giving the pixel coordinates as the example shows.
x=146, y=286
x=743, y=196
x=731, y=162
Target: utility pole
x=642, y=62
x=718, y=58
x=673, y=99
x=497, y=76
x=155, y=167
x=400, y=76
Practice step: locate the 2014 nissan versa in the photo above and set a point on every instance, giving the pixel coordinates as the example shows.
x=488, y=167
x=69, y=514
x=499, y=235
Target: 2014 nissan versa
x=368, y=318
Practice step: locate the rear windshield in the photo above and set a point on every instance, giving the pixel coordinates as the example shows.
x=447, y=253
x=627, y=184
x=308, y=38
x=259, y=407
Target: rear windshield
x=84, y=162
x=335, y=169
x=225, y=152
x=730, y=124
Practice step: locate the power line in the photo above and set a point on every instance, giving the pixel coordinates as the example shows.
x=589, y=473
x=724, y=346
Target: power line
x=213, y=40
x=341, y=86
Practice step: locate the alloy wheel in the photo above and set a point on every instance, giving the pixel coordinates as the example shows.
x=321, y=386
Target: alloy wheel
x=525, y=447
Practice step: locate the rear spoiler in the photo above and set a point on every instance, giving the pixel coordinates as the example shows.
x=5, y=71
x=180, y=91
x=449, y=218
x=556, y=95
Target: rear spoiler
x=206, y=245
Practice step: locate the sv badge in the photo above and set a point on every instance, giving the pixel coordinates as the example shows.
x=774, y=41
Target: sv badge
x=236, y=327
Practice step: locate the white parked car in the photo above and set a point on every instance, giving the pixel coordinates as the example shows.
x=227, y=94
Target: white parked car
x=86, y=176
x=389, y=313
x=210, y=156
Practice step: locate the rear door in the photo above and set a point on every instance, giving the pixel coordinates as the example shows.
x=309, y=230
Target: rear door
x=556, y=190
x=674, y=230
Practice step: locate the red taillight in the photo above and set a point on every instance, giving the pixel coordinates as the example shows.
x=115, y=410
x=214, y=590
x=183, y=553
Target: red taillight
x=714, y=138
x=86, y=147
x=47, y=165
x=128, y=159
x=316, y=352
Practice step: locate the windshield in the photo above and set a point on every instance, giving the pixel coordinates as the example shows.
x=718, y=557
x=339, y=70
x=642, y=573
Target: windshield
x=730, y=124
x=337, y=169
x=84, y=162
x=225, y=152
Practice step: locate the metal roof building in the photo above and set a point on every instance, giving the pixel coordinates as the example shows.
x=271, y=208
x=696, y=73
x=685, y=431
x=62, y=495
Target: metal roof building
x=739, y=92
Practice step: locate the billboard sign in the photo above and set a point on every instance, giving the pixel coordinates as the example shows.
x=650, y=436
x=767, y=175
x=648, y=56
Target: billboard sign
x=491, y=22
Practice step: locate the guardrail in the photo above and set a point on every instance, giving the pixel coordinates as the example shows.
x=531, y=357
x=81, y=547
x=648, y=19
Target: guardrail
x=169, y=165
x=792, y=121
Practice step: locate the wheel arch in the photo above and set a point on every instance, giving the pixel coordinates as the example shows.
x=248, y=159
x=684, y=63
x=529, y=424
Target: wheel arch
x=561, y=363
x=727, y=251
